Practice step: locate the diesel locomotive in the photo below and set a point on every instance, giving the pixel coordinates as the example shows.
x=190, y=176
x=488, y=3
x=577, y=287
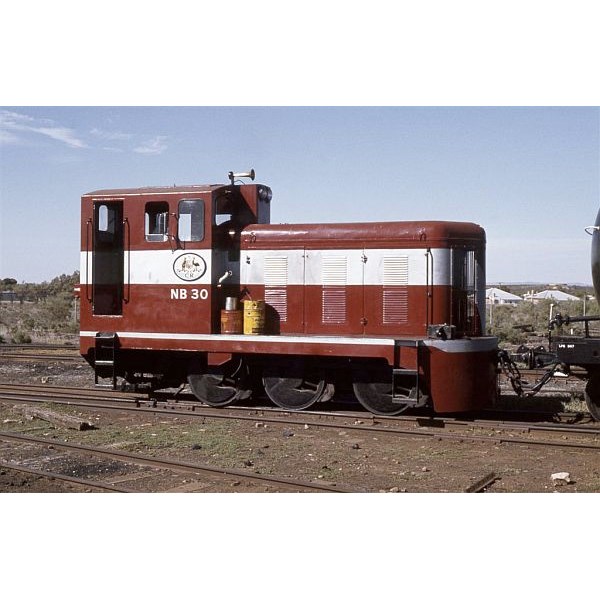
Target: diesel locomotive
x=192, y=284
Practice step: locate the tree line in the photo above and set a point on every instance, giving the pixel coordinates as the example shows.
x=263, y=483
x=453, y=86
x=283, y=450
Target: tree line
x=520, y=323
x=35, y=292
x=30, y=309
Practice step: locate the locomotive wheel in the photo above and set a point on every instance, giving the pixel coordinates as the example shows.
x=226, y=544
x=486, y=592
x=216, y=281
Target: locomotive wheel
x=222, y=385
x=592, y=395
x=294, y=388
x=373, y=389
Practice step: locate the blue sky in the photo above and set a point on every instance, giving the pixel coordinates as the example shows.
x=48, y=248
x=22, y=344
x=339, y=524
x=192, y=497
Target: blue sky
x=529, y=176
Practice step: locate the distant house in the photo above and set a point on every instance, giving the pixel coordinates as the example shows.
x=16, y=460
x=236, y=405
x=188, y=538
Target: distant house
x=555, y=295
x=498, y=296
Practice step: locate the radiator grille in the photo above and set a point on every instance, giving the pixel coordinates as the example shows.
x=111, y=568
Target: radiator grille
x=395, y=290
x=334, y=277
x=276, y=280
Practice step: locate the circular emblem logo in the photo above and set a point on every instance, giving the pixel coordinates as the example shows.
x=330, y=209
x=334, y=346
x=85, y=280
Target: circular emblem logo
x=189, y=266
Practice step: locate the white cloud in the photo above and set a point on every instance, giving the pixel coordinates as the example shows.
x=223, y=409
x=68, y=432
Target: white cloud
x=9, y=119
x=18, y=128
x=13, y=126
x=155, y=145
x=114, y=136
x=61, y=134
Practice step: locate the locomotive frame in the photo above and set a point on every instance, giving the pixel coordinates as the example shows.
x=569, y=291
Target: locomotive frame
x=393, y=310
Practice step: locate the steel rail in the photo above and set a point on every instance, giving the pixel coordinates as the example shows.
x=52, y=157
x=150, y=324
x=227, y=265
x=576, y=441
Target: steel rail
x=217, y=414
x=9, y=347
x=421, y=420
x=197, y=409
x=70, y=391
x=57, y=357
x=170, y=464
x=76, y=480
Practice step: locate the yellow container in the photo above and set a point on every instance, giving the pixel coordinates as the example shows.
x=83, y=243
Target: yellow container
x=254, y=317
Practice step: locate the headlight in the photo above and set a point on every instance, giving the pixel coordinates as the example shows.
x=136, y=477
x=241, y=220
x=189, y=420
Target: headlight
x=265, y=194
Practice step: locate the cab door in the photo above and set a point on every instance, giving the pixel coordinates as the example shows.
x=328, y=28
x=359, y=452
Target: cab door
x=107, y=258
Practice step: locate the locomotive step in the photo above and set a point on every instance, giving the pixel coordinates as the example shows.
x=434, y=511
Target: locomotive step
x=405, y=372
x=415, y=397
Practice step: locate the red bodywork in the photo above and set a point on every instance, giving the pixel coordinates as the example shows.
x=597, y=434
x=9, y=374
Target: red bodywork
x=357, y=291
x=427, y=303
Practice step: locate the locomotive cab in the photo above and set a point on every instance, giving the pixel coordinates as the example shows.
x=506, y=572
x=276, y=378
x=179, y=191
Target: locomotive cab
x=233, y=208
x=160, y=260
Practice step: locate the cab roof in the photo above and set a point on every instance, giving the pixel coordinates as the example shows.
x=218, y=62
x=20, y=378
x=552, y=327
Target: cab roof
x=150, y=191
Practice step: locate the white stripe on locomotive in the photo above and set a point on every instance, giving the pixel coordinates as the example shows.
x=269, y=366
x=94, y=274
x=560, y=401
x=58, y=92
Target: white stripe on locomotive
x=363, y=267
x=304, y=267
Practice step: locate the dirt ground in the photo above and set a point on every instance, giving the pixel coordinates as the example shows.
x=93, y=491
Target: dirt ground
x=359, y=461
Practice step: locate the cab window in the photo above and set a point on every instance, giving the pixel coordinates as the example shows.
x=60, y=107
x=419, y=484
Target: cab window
x=190, y=226
x=157, y=221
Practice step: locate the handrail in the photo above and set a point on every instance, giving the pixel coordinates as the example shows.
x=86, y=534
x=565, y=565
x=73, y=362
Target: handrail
x=128, y=250
x=89, y=297
x=429, y=287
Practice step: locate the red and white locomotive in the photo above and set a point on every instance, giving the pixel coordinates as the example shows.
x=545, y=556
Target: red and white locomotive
x=395, y=309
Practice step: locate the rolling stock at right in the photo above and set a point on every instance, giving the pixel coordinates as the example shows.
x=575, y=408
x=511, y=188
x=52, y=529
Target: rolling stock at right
x=566, y=350
x=583, y=350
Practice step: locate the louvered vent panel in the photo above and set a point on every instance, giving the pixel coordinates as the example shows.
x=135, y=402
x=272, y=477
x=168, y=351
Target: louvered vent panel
x=334, y=278
x=395, y=290
x=276, y=279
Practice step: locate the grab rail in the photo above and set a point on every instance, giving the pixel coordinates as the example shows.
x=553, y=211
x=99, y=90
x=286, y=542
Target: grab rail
x=89, y=297
x=429, y=287
x=128, y=250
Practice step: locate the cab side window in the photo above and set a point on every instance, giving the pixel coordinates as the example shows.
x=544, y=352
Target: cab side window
x=190, y=227
x=157, y=222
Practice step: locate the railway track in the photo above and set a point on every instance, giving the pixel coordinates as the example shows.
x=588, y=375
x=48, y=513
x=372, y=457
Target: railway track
x=478, y=430
x=32, y=356
x=87, y=483
x=13, y=347
x=577, y=441
x=39, y=352
x=162, y=464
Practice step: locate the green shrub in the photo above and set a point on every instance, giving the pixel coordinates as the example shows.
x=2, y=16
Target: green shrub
x=516, y=323
x=20, y=337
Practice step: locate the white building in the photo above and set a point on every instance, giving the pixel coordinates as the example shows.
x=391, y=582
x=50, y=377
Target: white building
x=498, y=296
x=555, y=295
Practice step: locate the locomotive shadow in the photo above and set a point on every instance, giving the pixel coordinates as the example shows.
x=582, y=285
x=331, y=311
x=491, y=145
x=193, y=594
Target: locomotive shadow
x=511, y=407
x=543, y=405
x=272, y=321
